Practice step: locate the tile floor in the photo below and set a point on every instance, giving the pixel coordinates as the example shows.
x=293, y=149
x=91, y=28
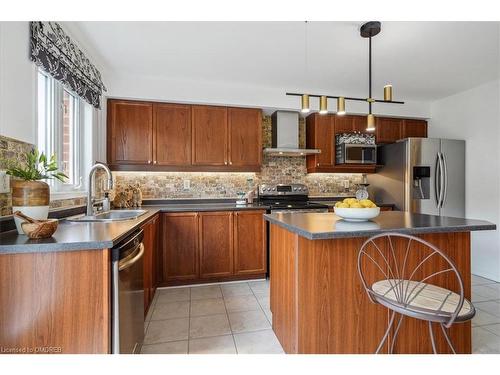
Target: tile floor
x=235, y=318
x=227, y=318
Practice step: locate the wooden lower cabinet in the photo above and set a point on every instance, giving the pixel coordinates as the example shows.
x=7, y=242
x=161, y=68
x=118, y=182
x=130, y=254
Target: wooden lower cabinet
x=55, y=302
x=150, y=242
x=180, y=246
x=216, y=248
x=210, y=246
x=250, y=255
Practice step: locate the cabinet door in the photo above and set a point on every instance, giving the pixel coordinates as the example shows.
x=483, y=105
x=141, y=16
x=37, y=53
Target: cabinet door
x=414, y=128
x=148, y=243
x=344, y=124
x=388, y=130
x=323, y=138
x=172, y=135
x=155, y=255
x=359, y=124
x=130, y=132
x=249, y=243
x=216, y=244
x=245, y=137
x=210, y=134
x=180, y=246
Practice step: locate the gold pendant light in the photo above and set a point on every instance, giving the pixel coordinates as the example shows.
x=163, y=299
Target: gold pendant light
x=323, y=105
x=367, y=30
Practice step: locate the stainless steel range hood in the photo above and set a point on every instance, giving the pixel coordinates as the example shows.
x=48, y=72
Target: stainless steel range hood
x=285, y=135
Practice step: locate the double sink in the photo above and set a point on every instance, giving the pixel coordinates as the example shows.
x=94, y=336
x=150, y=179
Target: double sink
x=113, y=215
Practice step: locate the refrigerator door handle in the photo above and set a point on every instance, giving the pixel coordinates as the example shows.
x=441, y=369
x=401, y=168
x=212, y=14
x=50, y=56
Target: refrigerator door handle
x=437, y=180
x=445, y=180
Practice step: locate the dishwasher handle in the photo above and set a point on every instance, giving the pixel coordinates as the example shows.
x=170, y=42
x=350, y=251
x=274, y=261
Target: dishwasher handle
x=132, y=258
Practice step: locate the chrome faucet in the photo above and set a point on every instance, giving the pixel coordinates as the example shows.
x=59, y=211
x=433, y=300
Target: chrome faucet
x=90, y=199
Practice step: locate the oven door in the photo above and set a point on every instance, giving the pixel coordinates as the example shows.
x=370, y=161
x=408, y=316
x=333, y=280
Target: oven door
x=360, y=154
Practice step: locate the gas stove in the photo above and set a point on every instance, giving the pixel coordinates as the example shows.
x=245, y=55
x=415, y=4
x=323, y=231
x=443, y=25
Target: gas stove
x=291, y=197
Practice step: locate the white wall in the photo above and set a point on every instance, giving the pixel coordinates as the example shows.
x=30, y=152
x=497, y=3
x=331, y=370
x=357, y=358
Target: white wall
x=474, y=115
x=17, y=83
x=226, y=93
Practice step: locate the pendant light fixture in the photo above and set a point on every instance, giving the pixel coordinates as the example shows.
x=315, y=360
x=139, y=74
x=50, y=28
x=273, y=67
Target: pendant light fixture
x=367, y=30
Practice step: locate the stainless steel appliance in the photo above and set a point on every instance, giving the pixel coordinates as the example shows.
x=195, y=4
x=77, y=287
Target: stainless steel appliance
x=288, y=198
x=422, y=175
x=349, y=153
x=127, y=328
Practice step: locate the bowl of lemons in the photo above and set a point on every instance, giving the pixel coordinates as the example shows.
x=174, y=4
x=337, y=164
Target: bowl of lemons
x=352, y=209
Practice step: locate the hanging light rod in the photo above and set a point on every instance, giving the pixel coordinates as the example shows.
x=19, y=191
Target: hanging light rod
x=367, y=31
x=346, y=98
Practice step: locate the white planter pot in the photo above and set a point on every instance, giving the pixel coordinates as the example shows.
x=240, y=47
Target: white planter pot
x=35, y=212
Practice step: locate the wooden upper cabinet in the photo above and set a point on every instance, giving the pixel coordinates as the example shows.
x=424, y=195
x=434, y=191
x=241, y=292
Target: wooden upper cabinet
x=180, y=246
x=359, y=124
x=245, y=137
x=344, y=124
x=320, y=135
x=414, y=128
x=210, y=135
x=172, y=134
x=130, y=132
x=388, y=130
x=249, y=243
x=216, y=244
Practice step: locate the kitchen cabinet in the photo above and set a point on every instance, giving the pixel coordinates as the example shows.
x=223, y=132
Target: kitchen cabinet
x=216, y=250
x=150, y=242
x=130, y=133
x=147, y=136
x=172, y=134
x=414, y=128
x=213, y=246
x=245, y=137
x=180, y=246
x=210, y=134
x=388, y=130
x=359, y=124
x=320, y=135
x=249, y=243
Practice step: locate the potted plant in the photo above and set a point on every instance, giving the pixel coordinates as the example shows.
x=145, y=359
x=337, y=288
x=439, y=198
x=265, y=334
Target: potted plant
x=30, y=195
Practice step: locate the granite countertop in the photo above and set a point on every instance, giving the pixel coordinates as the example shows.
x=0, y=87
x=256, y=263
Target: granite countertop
x=71, y=236
x=103, y=235
x=328, y=225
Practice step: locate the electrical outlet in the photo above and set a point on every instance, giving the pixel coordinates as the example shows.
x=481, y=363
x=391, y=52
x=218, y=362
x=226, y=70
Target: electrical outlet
x=187, y=184
x=4, y=182
x=346, y=184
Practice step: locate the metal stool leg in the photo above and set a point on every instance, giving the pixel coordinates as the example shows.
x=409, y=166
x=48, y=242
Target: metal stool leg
x=447, y=338
x=431, y=334
x=396, y=333
x=391, y=322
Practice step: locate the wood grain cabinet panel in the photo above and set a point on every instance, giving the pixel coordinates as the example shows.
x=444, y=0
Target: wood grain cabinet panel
x=249, y=243
x=216, y=244
x=359, y=124
x=210, y=135
x=172, y=134
x=180, y=246
x=130, y=132
x=388, y=130
x=245, y=137
x=414, y=128
x=344, y=124
x=150, y=243
x=58, y=300
x=320, y=135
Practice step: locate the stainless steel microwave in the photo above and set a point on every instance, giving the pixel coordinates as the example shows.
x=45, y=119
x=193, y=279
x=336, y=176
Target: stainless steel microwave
x=350, y=153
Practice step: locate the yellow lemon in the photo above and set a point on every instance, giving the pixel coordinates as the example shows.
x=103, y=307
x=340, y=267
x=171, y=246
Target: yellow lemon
x=343, y=205
x=337, y=204
x=355, y=205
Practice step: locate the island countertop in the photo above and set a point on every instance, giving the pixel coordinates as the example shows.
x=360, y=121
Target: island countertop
x=328, y=225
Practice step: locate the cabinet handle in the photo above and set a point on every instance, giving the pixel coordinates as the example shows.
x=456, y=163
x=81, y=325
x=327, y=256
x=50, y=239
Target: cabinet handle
x=154, y=162
x=230, y=163
x=149, y=161
x=225, y=162
x=317, y=165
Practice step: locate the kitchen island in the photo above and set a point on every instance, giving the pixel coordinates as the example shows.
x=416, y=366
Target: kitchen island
x=317, y=300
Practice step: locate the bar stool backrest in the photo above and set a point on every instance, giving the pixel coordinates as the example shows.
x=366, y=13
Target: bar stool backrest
x=405, y=262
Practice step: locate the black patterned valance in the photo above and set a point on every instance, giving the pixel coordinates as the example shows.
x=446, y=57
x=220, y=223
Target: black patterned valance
x=54, y=51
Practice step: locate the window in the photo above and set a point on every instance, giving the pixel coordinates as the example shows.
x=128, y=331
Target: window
x=63, y=130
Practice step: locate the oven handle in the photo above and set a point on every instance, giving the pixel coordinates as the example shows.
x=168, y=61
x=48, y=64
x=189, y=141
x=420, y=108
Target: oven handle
x=132, y=258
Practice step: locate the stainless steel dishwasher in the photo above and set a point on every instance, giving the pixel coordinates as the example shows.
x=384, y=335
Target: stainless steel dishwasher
x=127, y=295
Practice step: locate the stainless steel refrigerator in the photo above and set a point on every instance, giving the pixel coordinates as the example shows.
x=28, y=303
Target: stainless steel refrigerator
x=422, y=175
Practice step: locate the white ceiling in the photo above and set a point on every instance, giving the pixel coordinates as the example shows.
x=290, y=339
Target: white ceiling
x=423, y=60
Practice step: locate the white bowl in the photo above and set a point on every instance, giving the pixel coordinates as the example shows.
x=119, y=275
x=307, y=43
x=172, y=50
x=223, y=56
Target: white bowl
x=357, y=214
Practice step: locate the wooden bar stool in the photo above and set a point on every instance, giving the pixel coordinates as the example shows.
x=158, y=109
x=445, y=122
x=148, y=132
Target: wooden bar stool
x=408, y=289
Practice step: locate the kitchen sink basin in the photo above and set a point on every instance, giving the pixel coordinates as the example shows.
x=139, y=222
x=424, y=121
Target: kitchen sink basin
x=113, y=215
